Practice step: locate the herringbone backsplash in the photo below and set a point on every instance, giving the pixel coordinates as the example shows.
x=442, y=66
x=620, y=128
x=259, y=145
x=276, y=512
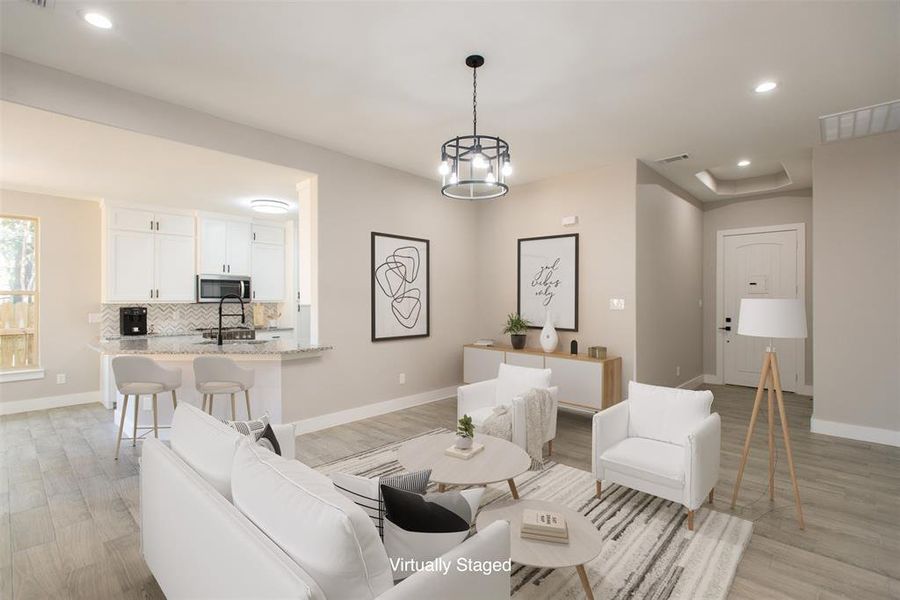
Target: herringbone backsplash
x=176, y=319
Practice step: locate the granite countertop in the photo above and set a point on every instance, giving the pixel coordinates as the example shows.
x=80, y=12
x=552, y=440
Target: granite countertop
x=286, y=347
x=194, y=333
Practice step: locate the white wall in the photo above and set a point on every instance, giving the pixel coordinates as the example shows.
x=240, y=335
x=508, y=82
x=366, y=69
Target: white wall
x=669, y=285
x=69, y=264
x=603, y=199
x=354, y=198
x=775, y=209
x=856, y=306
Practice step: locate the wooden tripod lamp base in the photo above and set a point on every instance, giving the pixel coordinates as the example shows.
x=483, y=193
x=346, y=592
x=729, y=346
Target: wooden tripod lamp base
x=771, y=378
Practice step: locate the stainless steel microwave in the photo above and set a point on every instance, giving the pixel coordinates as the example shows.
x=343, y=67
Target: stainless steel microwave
x=212, y=288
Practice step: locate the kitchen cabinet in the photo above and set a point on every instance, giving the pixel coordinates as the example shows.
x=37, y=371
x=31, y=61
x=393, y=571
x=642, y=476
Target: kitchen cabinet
x=268, y=234
x=130, y=261
x=267, y=279
x=174, y=268
x=133, y=219
x=224, y=246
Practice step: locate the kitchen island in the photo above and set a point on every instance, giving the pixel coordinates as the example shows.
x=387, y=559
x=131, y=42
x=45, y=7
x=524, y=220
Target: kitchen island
x=264, y=355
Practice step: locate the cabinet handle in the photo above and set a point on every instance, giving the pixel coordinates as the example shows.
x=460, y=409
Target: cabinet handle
x=229, y=268
x=254, y=236
x=151, y=229
x=157, y=225
x=223, y=268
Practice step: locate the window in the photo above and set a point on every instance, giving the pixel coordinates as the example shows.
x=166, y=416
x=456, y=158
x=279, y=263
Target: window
x=18, y=293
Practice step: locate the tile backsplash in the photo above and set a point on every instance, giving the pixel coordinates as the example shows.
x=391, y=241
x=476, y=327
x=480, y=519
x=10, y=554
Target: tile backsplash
x=175, y=319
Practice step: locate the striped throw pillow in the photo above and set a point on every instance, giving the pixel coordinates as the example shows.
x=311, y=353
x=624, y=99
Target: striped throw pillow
x=366, y=493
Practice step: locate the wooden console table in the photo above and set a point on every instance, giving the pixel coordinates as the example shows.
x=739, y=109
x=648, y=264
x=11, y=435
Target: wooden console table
x=584, y=382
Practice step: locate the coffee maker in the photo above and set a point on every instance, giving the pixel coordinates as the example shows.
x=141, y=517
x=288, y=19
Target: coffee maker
x=133, y=320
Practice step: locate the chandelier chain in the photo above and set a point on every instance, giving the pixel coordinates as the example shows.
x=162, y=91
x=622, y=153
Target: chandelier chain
x=475, y=101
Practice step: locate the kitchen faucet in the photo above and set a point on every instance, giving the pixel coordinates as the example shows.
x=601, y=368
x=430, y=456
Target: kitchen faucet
x=221, y=301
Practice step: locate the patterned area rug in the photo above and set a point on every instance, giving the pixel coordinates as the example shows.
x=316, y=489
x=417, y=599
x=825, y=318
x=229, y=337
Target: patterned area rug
x=648, y=551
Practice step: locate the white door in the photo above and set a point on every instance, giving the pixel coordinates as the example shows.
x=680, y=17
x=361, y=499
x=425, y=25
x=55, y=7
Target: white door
x=175, y=268
x=759, y=265
x=213, y=246
x=238, y=248
x=130, y=261
x=267, y=279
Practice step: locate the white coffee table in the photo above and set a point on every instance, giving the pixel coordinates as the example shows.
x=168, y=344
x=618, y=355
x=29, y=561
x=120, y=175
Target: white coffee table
x=584, y=544
x=499, y=461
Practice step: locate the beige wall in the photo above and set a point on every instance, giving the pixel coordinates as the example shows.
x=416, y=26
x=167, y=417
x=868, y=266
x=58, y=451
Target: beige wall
x=794, y=207
x=354, y=198
x=603, y=199
x=669, y=244
x=69, y=290
x=856, y=310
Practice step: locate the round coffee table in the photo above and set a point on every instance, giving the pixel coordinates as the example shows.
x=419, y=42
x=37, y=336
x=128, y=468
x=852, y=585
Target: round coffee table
x=499, y=461
x=584, y=544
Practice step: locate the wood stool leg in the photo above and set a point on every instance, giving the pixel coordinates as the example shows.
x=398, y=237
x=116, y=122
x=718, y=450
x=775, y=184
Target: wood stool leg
x=247, y=398
x=550, y=448
x=121, y=424
x=690, y=520
x=155, y=420
x=233, y=412
x=599, y=487
x=441, y=487
x=137, y=405
x=759, y=392
x=209, y=407
x=776, y=376
x=712, y=495
x=771, y=416
x=582, y=575
x=174, y=400
x=512, y=489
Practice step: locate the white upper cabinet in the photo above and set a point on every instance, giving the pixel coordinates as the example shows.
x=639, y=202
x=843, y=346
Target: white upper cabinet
x=173, y=224
x=267, y=280
x=131, y=219
x=174, y=272
x=130, y=260
x=224, y=246
x=268, y=234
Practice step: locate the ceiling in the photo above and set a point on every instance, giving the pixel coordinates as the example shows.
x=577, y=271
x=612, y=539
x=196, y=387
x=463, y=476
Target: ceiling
x=569, y=85
x=44, y=152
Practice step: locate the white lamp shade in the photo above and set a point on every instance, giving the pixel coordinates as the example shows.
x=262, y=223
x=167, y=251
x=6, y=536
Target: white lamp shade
x=772, y=318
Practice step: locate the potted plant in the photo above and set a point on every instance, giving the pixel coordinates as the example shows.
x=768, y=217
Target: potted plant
x=465, y=431
x=515, y=327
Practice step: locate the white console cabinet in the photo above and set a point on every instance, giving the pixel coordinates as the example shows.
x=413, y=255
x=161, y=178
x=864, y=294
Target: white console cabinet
x=583, y=382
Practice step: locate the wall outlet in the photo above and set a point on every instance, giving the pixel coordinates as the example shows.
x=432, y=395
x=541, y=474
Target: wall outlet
x=617, y=304
x=402, y=378
x=95, y=317
x=60, y=378
x=677, y=371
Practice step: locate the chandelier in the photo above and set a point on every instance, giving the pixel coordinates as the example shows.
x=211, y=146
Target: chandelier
x=474, y=167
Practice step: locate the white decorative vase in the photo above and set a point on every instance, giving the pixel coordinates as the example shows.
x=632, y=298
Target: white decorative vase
x=549, y=337
x=463, y=443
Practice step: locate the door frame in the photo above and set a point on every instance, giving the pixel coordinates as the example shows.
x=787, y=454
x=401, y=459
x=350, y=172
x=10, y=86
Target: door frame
x=721, y=234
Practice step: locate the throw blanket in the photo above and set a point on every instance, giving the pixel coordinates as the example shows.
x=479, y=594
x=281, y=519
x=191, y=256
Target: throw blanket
x=537, y=414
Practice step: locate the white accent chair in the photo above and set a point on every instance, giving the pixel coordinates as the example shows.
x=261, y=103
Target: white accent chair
x=662, y=441
x=479, y=399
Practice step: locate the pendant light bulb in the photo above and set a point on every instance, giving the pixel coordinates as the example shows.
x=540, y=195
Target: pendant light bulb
x=479, y=162
x=444, y=168
x=507, y=168
x=490, y=177
x=453, y=178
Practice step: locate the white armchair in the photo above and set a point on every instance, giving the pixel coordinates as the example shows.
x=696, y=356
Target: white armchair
x=479, y=399
x=662, y=441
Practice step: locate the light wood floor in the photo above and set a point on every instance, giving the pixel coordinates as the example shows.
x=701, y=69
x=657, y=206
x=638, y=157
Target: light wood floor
x=68, y=512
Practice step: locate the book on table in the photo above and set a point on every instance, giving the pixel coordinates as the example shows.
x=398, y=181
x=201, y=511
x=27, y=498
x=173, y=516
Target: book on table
x=464, y=454
x=544, y=525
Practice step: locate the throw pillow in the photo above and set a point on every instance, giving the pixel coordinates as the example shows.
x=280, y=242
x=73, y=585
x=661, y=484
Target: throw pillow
x=367, y=492
x=259, y=430
x=420, y=528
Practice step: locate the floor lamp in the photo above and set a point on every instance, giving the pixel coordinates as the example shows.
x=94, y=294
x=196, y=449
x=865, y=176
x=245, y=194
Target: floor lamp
x=771, y=318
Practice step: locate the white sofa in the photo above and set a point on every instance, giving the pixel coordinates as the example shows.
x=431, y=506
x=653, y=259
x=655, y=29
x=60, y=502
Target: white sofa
x=200, y=545
x=662, y=441
x=479, y=399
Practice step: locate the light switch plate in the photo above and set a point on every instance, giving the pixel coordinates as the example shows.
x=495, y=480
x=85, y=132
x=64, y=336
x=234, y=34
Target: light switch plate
x=570, y=221
x=617, y=304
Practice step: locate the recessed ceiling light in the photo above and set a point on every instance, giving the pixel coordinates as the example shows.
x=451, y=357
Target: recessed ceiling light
x=267, y=205
x=744, y=163
x=765, y=86
x=97, y=20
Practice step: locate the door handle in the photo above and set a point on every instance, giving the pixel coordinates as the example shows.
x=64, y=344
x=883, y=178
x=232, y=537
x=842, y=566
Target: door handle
x=726, y=328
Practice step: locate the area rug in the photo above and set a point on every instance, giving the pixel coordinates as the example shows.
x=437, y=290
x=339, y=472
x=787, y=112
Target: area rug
x=647, y=553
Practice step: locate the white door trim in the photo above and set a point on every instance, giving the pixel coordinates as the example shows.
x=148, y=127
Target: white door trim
x=800, y=228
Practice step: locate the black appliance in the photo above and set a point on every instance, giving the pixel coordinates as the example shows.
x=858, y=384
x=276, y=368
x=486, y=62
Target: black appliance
x=212, y=288
x=133, y=320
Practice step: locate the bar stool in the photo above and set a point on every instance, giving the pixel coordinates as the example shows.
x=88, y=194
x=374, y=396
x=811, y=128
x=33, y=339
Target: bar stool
x=220, y=375
x=139, y=375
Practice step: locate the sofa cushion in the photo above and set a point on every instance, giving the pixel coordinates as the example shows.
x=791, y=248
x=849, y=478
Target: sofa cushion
x=648, y=459
x=329, y=536
x=665, y=414
x=514, y=381
x=206, y=444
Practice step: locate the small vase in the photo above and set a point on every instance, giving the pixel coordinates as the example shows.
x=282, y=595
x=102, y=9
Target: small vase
x=549, y=337
x=518, y=340
x=463, y=443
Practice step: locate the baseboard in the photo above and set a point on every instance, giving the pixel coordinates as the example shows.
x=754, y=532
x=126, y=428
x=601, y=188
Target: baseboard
x=19, y=406
x=711, y=378
x=693, y=383
x=372, y=410
x=804, y=390
x=855, y=432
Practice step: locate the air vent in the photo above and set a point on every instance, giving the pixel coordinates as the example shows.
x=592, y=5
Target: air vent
x=671, y=159
x=860, y=122
x=42, y=3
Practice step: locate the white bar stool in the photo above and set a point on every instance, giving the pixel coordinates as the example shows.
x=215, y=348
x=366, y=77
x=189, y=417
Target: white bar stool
x=139, y=375
x=220, y=375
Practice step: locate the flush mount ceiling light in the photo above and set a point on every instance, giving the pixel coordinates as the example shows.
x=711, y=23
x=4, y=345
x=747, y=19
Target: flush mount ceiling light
x=98, y=20
x=269, y=206
x=474, y=167
x=744, y=163
x=765, y=86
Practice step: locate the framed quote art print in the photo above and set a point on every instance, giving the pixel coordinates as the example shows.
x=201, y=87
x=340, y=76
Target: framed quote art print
x=548, y=280
x=400, y=287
